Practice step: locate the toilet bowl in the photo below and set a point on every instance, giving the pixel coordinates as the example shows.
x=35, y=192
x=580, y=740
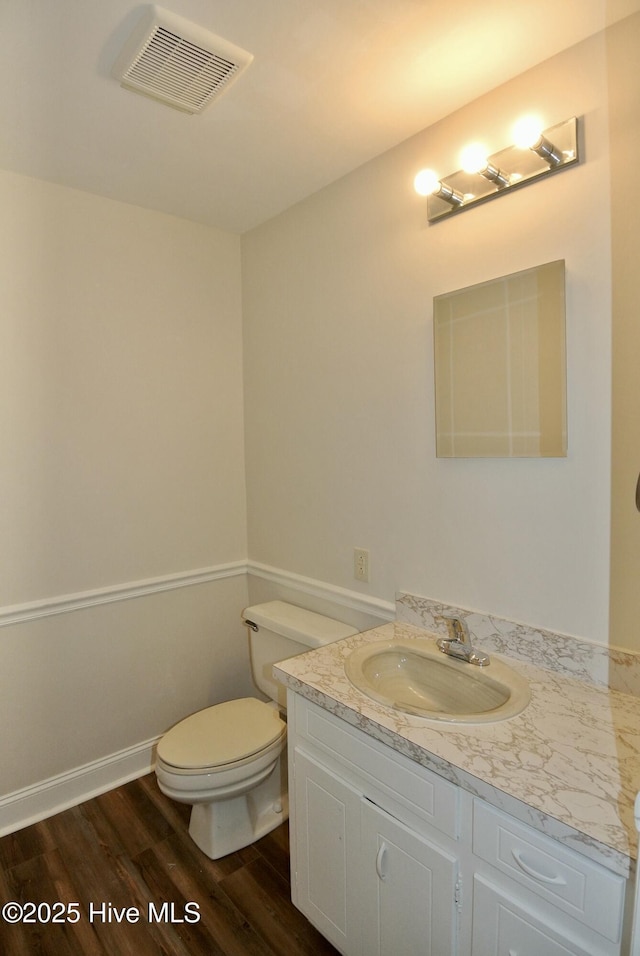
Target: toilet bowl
x=216, y=757
x=229, y=761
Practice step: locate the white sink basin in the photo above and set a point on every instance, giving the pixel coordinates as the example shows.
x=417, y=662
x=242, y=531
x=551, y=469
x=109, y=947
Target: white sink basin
x=415, y=677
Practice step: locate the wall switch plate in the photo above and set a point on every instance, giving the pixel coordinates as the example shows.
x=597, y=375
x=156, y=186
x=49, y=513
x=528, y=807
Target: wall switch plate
x=361, y=564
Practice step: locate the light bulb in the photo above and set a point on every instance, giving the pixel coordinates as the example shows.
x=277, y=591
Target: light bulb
x=527, y=132
x=426, y=182
x=473, y=158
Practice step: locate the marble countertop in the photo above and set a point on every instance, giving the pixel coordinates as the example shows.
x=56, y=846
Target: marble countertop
x=568, y=765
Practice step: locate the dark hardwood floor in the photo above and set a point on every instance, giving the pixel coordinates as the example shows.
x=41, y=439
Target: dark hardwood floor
x=126, y=859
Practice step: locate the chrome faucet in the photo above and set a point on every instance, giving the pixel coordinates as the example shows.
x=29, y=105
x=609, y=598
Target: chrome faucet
x=459, y=645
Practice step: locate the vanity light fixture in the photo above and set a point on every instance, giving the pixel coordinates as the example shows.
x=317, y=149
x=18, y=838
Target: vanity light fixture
x=536, y=152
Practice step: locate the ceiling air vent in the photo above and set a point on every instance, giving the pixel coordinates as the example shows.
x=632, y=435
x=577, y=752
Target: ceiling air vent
x=178, y=62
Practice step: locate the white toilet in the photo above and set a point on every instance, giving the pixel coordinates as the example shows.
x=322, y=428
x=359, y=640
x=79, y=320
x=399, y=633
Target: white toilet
x=229, y=760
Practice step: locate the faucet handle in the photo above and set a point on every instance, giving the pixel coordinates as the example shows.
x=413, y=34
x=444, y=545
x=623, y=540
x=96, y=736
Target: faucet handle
x=458, y=630
x=458, y=644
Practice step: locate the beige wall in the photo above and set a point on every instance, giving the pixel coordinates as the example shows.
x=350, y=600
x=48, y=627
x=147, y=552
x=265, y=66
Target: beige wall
x=85, y=685
x=120, y=393
x=122, y=462
x=624, y=85
x=337, y=303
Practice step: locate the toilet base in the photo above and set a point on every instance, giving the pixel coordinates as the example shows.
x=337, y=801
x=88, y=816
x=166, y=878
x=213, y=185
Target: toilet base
x=221, y=827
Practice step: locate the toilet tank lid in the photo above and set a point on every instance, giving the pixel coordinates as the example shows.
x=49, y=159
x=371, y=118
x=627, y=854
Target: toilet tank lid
x=297, y=623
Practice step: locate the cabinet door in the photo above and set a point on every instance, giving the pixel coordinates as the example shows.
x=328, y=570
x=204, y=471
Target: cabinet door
x=326, y=873
x=504, y=927
x=409, y=890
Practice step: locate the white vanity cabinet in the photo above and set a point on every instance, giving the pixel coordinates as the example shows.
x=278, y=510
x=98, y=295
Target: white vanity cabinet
x=408, y=889
x=537, y=896
x=365, y=880
x=373, y=841
x=390, y=859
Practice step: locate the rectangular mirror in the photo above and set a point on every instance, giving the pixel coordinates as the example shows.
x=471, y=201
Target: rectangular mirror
x=500, y=367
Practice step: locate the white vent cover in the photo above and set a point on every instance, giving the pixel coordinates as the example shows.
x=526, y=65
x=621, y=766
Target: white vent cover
x=178, y=62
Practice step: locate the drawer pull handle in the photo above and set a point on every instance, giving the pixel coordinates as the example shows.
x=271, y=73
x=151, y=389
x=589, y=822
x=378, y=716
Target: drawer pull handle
x=530, y=871
x=382, y=852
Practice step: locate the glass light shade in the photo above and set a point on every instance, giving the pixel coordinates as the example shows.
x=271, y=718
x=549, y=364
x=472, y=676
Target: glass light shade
x=527, y=132
x=473, y=158
x=426, y=182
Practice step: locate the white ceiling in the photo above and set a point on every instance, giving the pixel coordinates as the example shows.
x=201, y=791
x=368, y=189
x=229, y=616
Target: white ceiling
x=333, y=83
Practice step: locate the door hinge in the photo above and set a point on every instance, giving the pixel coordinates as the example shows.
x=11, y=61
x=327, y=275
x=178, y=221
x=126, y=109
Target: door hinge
x=457, y=894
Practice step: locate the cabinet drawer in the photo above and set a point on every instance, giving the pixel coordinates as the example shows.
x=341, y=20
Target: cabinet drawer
x=426, y=796
x=503, y=925
x=575, y=885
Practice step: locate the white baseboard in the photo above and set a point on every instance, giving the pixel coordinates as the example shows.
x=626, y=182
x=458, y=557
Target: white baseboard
x=24, y=807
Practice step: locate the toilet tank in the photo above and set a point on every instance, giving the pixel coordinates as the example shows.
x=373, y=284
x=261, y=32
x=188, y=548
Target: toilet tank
x=278, y=630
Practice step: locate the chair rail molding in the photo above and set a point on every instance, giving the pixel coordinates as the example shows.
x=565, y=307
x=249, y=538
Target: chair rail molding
x=67, y=603
x=330, y=592
x=64, y=604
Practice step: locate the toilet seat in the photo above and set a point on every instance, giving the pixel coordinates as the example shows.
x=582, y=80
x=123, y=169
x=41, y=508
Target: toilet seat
x=222, y=737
